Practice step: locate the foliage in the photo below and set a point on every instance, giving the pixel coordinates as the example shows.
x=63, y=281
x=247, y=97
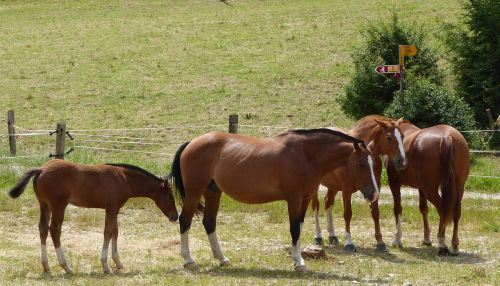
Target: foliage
x=475, y=48
x=370, y=93
x=427, y=104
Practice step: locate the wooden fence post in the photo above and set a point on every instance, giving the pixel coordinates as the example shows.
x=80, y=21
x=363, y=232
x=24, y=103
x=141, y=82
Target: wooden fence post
x=233, y=123
x=12, y=132
x=60, y=138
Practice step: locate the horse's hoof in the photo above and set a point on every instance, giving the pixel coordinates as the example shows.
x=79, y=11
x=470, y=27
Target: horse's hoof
x=301, y=268
x=381, y=247
x=454, y=251
x=191, y=266
x=106, y=271
x=225, y=263
x=427, y=242
x=333, y=240
x=119, y=271
x=68, y=270
x=318, y=241
x=397, y=243
x=350, y=248
x=443, y=251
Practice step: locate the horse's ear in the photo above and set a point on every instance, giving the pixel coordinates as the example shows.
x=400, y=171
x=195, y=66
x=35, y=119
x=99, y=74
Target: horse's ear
x=381, y=123
x=370, y=145
x=399, y=121
x=358, y=146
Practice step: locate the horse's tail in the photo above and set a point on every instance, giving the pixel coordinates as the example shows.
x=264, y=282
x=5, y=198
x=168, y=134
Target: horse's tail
x=449, y=194
x=176, y=176
x=18, y=189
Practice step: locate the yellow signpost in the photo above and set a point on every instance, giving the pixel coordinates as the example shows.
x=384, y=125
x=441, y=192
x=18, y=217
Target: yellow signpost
x=404, y=50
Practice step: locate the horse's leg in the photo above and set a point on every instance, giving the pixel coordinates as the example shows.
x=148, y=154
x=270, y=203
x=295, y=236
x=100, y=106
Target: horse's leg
x=212, y=201
x=376, y=220
x=43, y=228
x=456, y=219
x=346, y=197
x=55, y=232
x=424, y=210
x=109, y=224
x=185, y=219
x=432, y=195
x=397, y=209
x=295, y=218
x=329, y=202
x=318, y=238
x=114, y=246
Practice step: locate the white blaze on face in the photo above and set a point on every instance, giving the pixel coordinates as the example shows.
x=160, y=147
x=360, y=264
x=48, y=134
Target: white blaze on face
x=370, y=163
x=397, y=134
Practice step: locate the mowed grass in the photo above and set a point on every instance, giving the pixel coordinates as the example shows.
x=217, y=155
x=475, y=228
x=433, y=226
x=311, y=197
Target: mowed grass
x=189, y=64
x=255, y=238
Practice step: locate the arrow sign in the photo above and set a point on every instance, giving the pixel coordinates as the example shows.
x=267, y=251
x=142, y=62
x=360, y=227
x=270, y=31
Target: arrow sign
x=407, y=50
x=387, y=69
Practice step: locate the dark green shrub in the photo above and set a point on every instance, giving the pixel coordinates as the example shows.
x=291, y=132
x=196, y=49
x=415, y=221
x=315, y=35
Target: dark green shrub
x=369, y=92
x=427, y=104
x=475, y=50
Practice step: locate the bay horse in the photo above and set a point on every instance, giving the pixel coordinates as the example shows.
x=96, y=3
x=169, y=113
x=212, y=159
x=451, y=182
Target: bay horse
x=383, y=137
x=58, y=183
x=438, y=156
x=252, y=170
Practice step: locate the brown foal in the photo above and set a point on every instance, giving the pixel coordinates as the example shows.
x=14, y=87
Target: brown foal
x=58, y=183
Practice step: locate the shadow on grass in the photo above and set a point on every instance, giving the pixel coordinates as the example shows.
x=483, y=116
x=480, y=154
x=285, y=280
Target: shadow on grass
x=338, y=251
x=259, y=273
x=430, y=253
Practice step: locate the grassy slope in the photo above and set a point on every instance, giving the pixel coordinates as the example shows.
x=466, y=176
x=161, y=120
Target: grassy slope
x=163, y=63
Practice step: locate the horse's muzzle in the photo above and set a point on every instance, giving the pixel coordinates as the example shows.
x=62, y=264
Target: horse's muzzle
x=173, y=218
x=370, y=194
x=400, y=163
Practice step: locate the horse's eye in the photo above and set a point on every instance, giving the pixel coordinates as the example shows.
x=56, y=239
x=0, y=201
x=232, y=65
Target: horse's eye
x=389, y=138
x=361, y=165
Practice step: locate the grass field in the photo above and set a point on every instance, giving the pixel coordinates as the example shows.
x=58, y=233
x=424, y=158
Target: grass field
x=187, y=65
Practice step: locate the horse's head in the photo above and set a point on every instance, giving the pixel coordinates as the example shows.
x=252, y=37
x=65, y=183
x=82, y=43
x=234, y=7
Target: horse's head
x=165, y=201
x=390, y=142
x=360, y=167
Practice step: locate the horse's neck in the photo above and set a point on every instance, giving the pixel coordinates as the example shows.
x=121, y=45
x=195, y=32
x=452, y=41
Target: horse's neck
x=141, y=185
x=328, y=155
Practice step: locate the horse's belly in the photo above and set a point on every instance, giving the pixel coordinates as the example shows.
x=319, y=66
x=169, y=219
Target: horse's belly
x=250, y=193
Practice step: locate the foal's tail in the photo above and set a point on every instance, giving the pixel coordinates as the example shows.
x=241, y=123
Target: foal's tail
x=449, y=194
x=18, y=189
x=176, y=176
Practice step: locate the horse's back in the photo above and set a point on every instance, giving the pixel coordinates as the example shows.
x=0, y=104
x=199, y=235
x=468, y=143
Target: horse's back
x=82, y=185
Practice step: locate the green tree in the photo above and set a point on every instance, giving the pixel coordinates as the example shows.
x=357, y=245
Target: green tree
x=369, y=92
x=475, y=48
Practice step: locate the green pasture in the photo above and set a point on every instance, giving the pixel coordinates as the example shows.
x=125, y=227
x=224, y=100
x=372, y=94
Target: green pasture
x=183, y=67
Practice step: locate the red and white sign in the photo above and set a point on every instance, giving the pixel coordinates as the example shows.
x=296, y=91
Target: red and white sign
x=387, y=69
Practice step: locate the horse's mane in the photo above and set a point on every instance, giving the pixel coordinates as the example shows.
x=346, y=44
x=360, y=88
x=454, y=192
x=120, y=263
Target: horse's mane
x=328, y=131
x=137, y=169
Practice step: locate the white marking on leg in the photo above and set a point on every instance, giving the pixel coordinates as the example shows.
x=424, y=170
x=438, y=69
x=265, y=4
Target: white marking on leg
x=216, y=249
x=374, y=181
x=317, y=229
x=114, y=254
x=397, y=134
x=297, y=256
x=44, y=258
x=347, y=238
x=62, y=260
x=185, y=253
x=104, y=257
x=441, y=243
x=329, y=222
x=399, y=233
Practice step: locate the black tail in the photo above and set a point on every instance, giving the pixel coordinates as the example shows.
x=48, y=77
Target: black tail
x=18, y=189
x=176, y=176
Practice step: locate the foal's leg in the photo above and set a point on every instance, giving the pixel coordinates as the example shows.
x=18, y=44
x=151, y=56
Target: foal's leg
x=43, y=227
x=55, y=232
x=346, y=197
x=110, y=224
x=424, y=210
x=329, y=202
x=318, y=238
x=212, y=200
x=114, y=247
x=376, y=220
x=296, y=218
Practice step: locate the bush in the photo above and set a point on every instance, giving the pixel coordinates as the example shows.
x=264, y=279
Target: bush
x=476, y=57
x=370, y=93
x=427, y=104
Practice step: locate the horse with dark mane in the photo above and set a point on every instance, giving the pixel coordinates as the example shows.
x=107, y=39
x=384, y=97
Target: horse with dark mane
x=383, y=137
x=58, y=183
x=438, y=156
x=251, y=170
